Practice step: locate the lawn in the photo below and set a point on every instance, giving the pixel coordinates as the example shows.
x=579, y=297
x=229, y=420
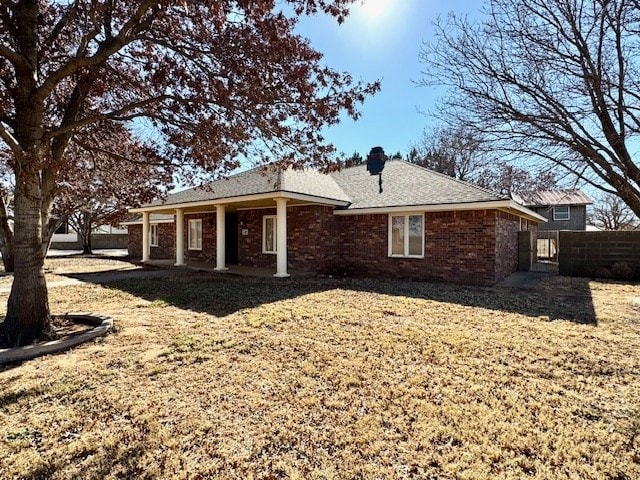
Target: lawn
x=210, y=377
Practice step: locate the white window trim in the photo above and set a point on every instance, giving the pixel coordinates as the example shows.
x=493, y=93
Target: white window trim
x=197, y=247
x=562, y=219
x=153, y=235
x=264, y=234
x=406, y=234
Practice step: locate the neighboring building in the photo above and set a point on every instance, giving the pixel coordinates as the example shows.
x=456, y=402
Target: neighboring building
x=417, y=224
x=563, y=209
x=105, y=236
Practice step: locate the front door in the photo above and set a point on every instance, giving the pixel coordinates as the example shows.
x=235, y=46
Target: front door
x=231, y=237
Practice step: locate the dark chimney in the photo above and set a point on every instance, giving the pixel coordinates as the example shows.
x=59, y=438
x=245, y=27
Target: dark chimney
x=375, y=161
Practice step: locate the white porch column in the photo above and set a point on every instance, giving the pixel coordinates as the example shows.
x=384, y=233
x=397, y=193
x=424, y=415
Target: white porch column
x=281, y=237
x=146, y=246
x=220, y=239
x=179, y=237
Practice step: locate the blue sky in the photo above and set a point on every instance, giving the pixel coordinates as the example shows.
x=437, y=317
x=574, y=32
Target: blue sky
x=382, y=39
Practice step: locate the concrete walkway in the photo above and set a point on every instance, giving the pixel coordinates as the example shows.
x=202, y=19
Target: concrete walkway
x=527, y=280
x=100, y=277
x=104, y=252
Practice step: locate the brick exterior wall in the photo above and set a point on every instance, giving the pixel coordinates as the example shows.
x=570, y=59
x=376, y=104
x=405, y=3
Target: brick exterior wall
x=586, y=254
x=506, y=248
x=477, y=247
x=459, y=247
x=311, y=241
x=166, y=241
x=208, y=252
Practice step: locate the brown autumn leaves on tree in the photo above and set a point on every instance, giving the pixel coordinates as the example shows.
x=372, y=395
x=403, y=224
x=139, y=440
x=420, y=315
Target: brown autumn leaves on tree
x=216, y=81
x=557, y=80
x=112, y=172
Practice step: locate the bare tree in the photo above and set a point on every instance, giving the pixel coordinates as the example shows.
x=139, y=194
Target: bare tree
x=611, y=213
x=460, y=153
x=453, y=151
x=557, y=80
x=505, y=179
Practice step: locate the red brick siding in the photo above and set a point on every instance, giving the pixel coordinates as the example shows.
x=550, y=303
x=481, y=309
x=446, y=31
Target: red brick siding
x=310, y=238
x=250, y=245
x=166, y=241
x=208, y=252
x=478, y=247
x=134, y=234
x=507, y=227
x=459, y=247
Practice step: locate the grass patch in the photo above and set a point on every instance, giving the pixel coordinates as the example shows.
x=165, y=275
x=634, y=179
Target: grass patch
x=248, y=378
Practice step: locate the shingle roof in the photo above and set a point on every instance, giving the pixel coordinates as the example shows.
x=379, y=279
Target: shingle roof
x=548, y=198
x=255, y=181
x=403, y=184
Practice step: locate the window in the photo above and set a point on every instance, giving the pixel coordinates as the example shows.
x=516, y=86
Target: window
x=269, y=234
x=195, y=234
x=406, y=236
x=153, y=235
x=63, y=228
x=561, y=213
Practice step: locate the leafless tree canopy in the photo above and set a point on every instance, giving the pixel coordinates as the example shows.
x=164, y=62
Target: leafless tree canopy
x=552, y=79
x=460, y=153
x=609, y=212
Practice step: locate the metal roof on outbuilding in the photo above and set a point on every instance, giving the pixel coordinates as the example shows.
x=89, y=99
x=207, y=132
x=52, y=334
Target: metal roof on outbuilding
x=550, y=198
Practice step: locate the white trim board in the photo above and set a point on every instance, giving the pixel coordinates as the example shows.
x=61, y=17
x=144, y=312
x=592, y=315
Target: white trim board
x=449, y=207
x=243, y=198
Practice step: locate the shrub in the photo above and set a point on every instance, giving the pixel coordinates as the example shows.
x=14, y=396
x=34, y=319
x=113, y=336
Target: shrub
x=602, y=272
x=623, y=271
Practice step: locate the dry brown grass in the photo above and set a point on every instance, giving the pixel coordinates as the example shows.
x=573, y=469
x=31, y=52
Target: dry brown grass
x=57, y=267
x=325, y=379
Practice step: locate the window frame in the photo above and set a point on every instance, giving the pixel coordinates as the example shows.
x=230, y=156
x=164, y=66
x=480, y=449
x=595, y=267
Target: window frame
x=555, y=216
x=265, y=219
x=406, y=217
x=198, y=246
x=153, y=235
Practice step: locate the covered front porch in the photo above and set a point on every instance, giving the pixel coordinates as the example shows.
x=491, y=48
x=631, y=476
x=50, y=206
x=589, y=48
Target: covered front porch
x=236, y=235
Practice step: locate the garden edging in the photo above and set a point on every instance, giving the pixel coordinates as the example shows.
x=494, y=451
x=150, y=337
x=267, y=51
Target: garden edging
x=103, y=325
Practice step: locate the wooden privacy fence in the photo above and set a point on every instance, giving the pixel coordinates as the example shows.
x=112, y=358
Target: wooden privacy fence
x=600, y=254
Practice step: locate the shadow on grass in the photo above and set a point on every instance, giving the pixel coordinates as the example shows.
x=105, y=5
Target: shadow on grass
x=219, y=296
x=9, y=398
x=123, y=460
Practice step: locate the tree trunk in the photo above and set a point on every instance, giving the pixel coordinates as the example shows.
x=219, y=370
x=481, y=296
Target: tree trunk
x=49, y=232
x=6, y=237
x=28, y=316
x=85, y=234
x=8, y=257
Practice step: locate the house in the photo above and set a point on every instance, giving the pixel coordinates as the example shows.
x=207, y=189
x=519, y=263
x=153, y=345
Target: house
x=563, y=209
x=409, y=222
x=104, y=236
